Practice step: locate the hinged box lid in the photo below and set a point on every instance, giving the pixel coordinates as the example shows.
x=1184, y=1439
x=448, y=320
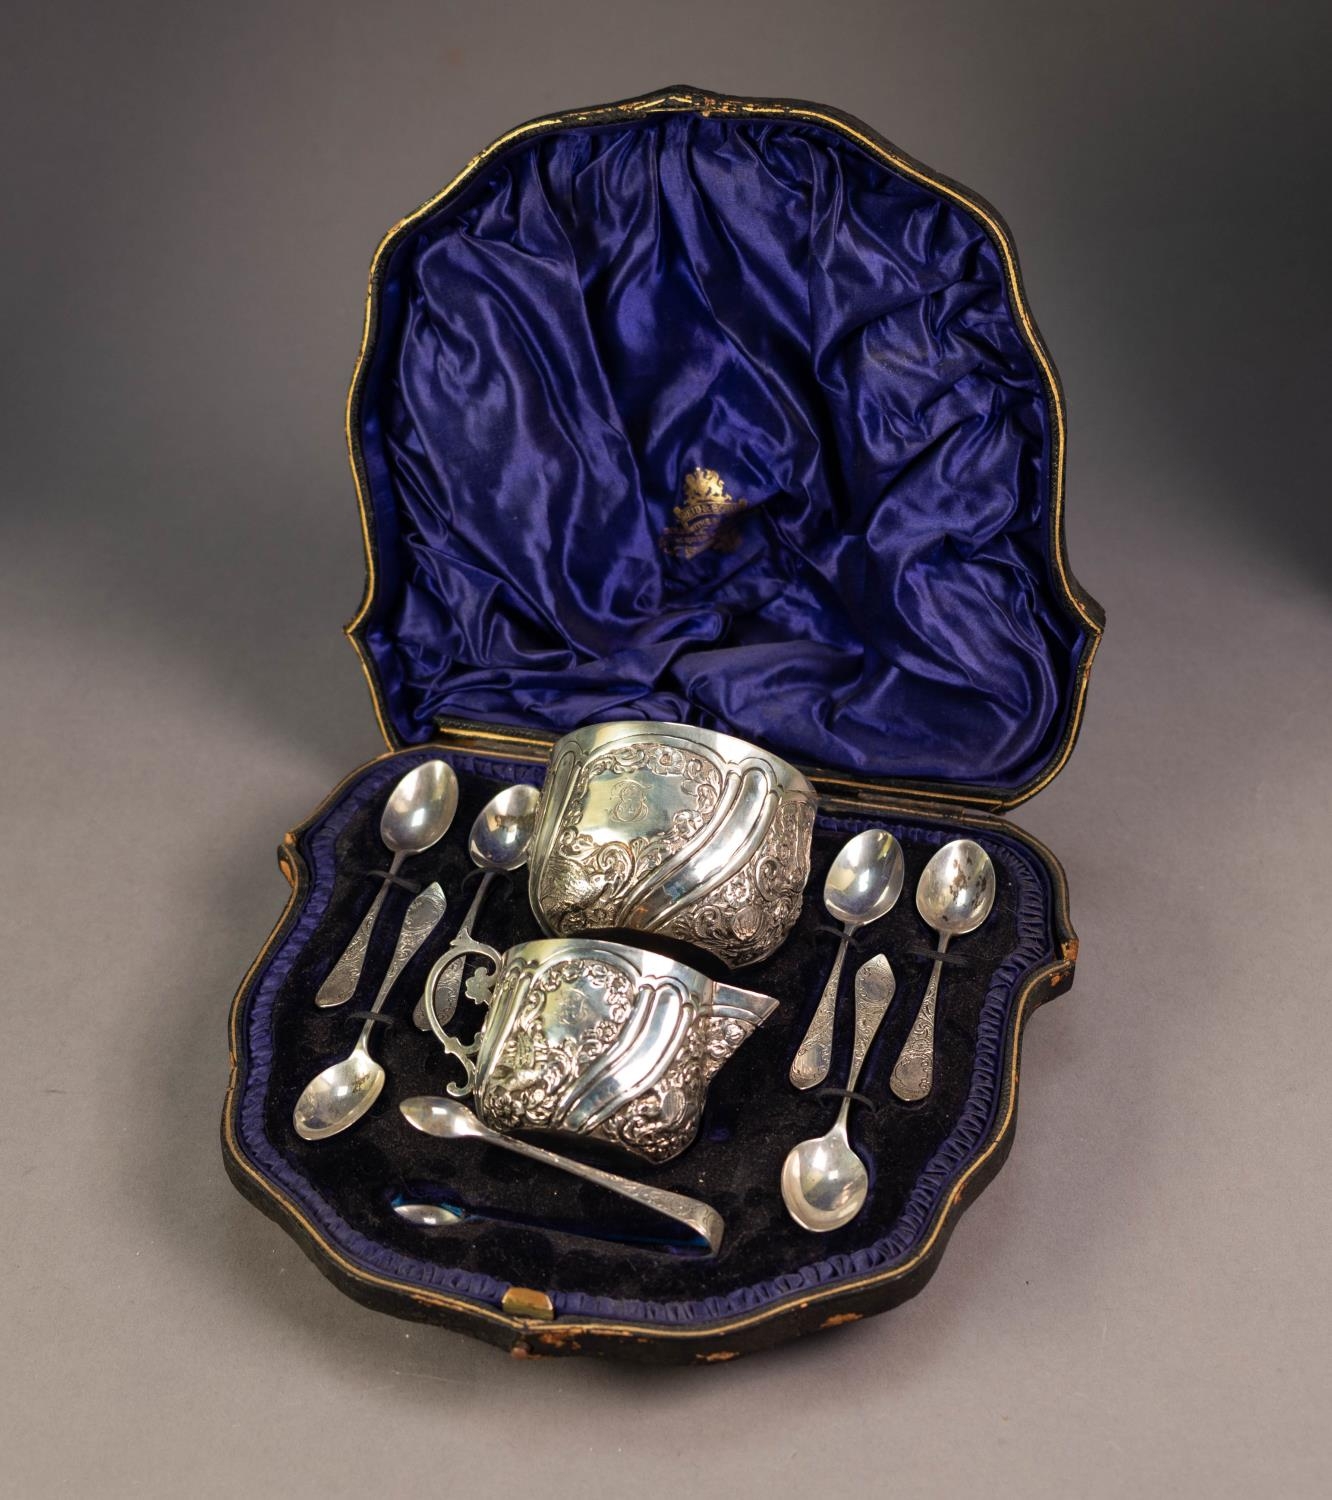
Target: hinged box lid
x=724, y=411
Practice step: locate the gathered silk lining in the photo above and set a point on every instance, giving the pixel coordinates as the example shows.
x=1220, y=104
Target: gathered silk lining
x=611, y=310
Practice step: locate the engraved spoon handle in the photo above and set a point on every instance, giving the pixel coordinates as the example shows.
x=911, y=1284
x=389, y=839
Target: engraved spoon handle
x=693, y=1214
x=875, y=988
x=345, y=975
x=913, y=1074
x=814, y=1056
x=423, y=916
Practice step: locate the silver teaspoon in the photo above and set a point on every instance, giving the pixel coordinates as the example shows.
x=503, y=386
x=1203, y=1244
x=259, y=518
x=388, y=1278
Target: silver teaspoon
x=500, y=840
x=955, y=895
x=416, y=816
x=862, y=886
x=342, y=1093
x=824, y=1182
x=449, y=1120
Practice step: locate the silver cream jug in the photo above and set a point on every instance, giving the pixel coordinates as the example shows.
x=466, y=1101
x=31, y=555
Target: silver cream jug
x=591, y=1038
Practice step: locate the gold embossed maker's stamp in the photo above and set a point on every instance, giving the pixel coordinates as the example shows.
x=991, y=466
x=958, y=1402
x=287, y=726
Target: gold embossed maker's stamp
x=708, y=519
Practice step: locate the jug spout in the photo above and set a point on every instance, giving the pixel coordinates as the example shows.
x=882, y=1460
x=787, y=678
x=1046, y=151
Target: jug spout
x=742, y=1005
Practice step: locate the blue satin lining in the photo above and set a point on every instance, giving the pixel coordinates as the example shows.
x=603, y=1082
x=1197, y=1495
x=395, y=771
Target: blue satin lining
x=610, y=308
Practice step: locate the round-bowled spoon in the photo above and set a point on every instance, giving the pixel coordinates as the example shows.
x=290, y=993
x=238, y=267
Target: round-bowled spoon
x=500, y=840
x=416, y=816
x=862, y=886
x=341, y=1094
x=955, y=895
x=824, y=1182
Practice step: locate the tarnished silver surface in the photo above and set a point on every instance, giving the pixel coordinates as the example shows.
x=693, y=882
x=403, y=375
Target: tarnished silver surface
x=499, y=842
x=669, y=829
x=863, y=885
x=592, y=1038
x=416, y=816
x=449, y=1120
x=955, y=895
x=341, y=1094
x=824, y=1182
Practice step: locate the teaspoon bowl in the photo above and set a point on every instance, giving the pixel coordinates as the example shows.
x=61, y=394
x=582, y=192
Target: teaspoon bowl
x=502, y=833
x=429, y=1215
x=865, y=879
x=338, y=1097
x=420, y=808
x=824, y=1183
x=956, y=889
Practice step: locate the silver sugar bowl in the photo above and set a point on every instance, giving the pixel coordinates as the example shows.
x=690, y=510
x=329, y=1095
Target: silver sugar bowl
x=664, y=828
x=590, y=1038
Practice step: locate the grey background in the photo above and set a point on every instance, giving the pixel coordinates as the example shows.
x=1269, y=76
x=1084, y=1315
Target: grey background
x=1139, y=1304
